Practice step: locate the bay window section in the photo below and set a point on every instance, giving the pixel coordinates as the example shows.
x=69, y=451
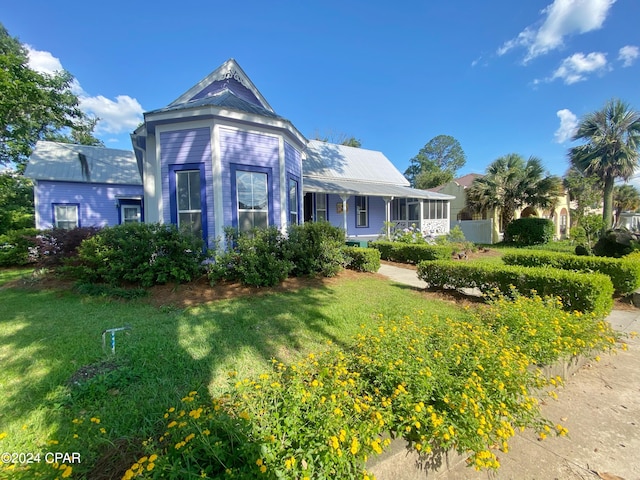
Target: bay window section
x=293, y=202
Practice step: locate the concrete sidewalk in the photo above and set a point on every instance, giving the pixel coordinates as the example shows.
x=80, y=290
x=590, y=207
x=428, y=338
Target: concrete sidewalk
x=599, y=404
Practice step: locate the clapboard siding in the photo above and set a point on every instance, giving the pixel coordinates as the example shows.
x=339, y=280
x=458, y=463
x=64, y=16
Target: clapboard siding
x=187, y=146
x=376, y=215
x=250, y=149
x=97, y=202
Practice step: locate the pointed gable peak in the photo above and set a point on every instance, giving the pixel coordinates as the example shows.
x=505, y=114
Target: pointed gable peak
x=228, y=76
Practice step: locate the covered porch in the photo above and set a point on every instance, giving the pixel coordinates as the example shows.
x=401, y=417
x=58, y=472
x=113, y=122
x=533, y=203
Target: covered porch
x=367, y=211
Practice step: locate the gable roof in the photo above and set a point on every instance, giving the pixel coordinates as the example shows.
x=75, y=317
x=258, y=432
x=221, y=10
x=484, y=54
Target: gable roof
x=82, y=163
x=216, y=80
x=339, y=169
x=465, y=181
x=226, y=98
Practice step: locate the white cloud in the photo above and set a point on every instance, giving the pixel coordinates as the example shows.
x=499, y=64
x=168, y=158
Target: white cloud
x=563, y=18
x=628, y=55
x=576, y=67
x=119, y=116
x=568, y=125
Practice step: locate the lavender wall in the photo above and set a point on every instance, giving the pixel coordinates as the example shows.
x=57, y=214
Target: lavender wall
x=187, y=146
x=97, y=201
x=376, y=215
x=248, y=149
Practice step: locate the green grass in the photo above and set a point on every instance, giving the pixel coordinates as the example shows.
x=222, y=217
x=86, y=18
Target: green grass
x=46, y=336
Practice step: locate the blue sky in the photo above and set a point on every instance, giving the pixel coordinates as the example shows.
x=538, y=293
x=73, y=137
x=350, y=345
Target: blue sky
x=500, y=76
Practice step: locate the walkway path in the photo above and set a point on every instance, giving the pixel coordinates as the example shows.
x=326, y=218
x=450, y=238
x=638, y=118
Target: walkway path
x=599, y=404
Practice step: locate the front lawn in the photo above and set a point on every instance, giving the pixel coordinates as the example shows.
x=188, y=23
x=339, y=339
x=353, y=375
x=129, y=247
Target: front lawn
x=48, y=336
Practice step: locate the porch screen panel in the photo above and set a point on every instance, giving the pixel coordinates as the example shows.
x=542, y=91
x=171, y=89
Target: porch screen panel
x=253, y=200
x=189, y=201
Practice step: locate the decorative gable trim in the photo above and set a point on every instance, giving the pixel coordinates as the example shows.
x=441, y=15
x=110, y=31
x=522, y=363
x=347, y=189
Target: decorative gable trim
x=229, y=69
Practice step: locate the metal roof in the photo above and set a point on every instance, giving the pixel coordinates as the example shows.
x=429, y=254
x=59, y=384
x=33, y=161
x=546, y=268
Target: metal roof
x=339, y=169
x=353, y=187
x=224, y=99
x=81, y=163
x=331, y=161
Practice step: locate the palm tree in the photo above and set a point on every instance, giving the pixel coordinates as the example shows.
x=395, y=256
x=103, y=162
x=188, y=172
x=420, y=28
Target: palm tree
x=511, y=183
x=611, y=151
x=625, y=198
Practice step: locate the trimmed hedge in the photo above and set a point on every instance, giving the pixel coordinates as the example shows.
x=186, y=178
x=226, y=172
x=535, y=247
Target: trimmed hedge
x=530, y=231
x=411, y=252
x=624, y=273
x=362, y=259
x=577, y=291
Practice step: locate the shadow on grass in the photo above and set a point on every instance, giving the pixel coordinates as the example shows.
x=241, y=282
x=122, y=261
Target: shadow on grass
x=46, y=336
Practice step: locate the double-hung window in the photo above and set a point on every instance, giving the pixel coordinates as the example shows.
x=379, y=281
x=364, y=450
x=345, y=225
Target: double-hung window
x=65, y=216
x=253, y=200
x=188, y=201
x=293, y=202
x=321, y=207
x=362, y=211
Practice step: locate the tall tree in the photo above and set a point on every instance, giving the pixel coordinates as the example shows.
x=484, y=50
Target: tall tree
x=32, y=104
x=625, y=198
x=611, y=152
x=585, y=191
x=510, y=183
x=339, y=139
x=81, y=133
x=436, y=163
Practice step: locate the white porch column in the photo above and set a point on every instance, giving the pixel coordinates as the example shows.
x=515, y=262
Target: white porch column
x=421, y=216
x=344, y=213
x=387, y=215
x=448, y=216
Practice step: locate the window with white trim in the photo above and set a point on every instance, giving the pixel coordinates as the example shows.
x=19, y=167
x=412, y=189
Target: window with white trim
x=252, y=200
x=130, y=213
x=321, y=207
x=362, y=211
x=188, y=201
x=65, y=216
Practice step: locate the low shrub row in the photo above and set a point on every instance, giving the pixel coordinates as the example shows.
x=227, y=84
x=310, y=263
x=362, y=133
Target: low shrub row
x=143, y=254
x=362, y=259
x=265, y=257
x=624, y=273
x=439, y=383
x=530, y=231
x=411, y=252
x=577, y=291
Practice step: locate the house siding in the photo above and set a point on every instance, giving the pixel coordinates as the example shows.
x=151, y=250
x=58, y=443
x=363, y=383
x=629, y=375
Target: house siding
x=97, y=202
x=240, y=148
x=376, y=215
x=188, y=146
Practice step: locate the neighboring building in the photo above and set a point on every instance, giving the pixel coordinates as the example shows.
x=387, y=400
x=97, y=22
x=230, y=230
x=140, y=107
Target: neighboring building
x=487, y=227
x=219, y=156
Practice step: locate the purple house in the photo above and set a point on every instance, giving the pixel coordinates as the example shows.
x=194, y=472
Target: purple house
x=219, y=156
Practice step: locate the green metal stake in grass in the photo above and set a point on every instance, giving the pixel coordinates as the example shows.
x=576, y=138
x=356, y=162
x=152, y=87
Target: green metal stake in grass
x=113, y=337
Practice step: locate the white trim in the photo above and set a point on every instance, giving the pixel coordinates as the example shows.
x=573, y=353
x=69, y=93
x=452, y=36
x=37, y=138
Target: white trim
x=213, y=111
x=284, y=190
x=218, y=196
x=36, y=204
